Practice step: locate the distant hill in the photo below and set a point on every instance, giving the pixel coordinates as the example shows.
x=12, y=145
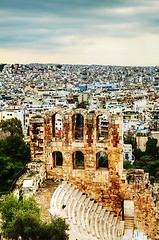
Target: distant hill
x=1, y=67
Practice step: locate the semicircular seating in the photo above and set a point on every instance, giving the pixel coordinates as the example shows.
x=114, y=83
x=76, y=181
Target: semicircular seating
x=87, y=219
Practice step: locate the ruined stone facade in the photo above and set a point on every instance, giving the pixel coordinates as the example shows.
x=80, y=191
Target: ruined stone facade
x=88, y=136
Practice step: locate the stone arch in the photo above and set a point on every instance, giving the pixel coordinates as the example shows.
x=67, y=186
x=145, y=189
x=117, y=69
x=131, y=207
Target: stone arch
x=57, y=159
x=78, y=159
x=57, y=125
x=101, y=159
x=78, y=126
x=102, y=127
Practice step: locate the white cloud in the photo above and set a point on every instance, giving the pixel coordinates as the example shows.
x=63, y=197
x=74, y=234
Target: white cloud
x=131, y=51
x=83, y=31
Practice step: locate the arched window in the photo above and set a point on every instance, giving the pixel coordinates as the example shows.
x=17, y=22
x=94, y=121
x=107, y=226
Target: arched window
x=126, y=156
x=57, y=159
x=102, y=127
x=77, y=126
x=56, y=126
x=36, y=128
x=102, y=159
x=78, y=159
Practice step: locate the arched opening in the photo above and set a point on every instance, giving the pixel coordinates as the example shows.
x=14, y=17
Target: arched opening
x=102, y=159
x=77, y=126
x=36, y=127
x=78, y=159
x=57, y=159
x=57, y=126
x=126, y=156
x=28, y=131
x=102, y=127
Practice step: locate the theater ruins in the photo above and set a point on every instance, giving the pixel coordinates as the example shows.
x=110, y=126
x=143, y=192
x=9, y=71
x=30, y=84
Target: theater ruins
x=83, y=150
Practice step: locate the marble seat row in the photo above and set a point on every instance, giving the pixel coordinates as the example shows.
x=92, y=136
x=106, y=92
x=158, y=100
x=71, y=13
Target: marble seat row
x=88, y=220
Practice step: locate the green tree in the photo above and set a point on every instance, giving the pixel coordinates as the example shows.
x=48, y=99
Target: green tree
x=14, y=154
x=127, y=165
x=15, y=147
x=5, y=172
x=142, y=162
x=57, y=229
x=151, y=148
x=148, y=160
x=13, y=125
x=153, y=167
x=103, y=162
x=23, y=219
x=138, y=153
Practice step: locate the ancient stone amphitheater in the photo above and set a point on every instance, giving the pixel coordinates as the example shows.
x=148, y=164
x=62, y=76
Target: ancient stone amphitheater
x=89, y=220
x=99, y=202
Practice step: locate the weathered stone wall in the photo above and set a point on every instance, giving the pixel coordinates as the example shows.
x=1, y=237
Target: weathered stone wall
x=141, y=142
x=156, y=135
x=141, y=191
x=109, y=186
x=37, y=139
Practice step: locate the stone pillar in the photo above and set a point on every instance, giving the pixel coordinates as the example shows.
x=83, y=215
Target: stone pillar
x=115, y=147
x=37, y=139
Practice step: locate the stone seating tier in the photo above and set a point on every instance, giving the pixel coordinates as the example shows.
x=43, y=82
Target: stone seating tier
x=88, y=220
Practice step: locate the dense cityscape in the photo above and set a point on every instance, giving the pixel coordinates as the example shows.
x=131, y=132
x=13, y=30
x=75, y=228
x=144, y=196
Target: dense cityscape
x=28, y=90
x=73, y=94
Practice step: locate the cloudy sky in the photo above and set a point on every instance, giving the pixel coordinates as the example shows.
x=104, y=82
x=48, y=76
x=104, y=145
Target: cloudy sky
x=114, y=32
